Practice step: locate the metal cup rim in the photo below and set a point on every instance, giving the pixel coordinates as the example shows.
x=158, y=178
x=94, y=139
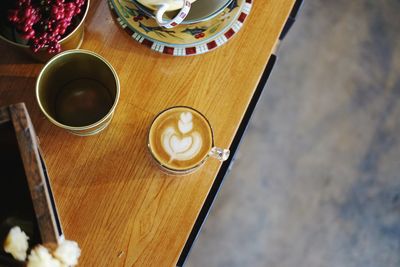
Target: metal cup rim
x=78, y=128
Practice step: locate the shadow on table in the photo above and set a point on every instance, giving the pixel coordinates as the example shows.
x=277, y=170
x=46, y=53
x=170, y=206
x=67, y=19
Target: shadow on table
x=12, y=55
x=15, y=89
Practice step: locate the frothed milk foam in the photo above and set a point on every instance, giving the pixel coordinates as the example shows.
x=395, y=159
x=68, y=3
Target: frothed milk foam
x=180, y=138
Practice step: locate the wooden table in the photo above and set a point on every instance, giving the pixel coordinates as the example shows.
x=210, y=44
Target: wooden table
x=120, y=208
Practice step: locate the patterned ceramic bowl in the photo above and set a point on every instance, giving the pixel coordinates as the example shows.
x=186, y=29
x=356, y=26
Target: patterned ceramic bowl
x=202, y=10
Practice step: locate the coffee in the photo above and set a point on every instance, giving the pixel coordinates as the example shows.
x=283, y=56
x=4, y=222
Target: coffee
x=180, y=139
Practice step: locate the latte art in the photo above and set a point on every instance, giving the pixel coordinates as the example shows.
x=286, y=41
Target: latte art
x=180, y=138
x=185, y=123
x=185, y=147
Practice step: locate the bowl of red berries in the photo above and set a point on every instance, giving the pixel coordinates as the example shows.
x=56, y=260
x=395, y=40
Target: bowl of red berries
x=43, y=28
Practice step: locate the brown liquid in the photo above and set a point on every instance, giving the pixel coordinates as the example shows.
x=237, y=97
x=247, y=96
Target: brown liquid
x=180, y=138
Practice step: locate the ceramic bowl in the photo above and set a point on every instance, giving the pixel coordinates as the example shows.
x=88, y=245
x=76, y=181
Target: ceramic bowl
x=172, y=4
x=202, y=10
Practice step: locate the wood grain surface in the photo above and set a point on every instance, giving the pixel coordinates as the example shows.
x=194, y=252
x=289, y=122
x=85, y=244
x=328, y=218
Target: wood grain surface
x=120, y=208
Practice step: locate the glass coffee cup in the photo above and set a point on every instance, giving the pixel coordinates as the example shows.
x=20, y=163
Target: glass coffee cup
x=180, y=140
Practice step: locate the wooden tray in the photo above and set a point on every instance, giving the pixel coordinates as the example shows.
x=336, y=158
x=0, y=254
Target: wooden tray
x=25, y=193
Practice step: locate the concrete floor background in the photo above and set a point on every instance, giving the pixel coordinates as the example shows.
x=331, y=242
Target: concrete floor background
x=317, y=179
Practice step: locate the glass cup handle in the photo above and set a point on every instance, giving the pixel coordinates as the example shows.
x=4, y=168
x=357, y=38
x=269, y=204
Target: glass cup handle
x=220, y=154
x=178, y=18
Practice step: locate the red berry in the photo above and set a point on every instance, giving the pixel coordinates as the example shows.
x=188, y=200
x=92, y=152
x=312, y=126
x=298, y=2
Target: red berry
x=44, y=22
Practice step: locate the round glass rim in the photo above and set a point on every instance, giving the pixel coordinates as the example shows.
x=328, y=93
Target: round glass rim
x=169, y=169
x=94, y=124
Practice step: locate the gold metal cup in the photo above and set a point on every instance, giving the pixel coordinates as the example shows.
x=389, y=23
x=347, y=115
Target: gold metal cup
x=78, y=90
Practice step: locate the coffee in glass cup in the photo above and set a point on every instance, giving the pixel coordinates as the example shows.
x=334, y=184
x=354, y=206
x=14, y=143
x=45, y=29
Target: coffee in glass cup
x=181, y=139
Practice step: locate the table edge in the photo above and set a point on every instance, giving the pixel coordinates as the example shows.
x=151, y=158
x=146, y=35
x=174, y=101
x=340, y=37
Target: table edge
x=226, y=166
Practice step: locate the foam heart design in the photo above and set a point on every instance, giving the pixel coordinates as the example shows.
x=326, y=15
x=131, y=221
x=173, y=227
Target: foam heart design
x=186, y=117
x=179, y=145
x=185, y=123
x=184, y=148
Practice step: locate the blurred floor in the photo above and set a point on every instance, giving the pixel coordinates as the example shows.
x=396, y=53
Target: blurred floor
x=317, y=179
